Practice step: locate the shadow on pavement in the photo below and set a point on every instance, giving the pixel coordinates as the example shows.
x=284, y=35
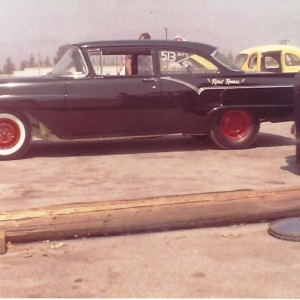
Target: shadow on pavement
x=291, y=165
x=273, y=140
x=41, y=148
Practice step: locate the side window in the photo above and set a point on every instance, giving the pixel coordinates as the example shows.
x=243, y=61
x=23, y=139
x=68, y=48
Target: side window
x=178, y=62
x=292, y=59
x=139, y=63
x=271, y=62
x=108, y=63
x=253, y=62
x=144, y=64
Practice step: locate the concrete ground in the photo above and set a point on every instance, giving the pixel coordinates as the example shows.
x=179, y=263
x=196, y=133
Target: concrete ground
x=57, y=173
x=238, y=261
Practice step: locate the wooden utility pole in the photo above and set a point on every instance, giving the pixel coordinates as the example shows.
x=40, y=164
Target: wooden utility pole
x=283, y=42
x=147, y=215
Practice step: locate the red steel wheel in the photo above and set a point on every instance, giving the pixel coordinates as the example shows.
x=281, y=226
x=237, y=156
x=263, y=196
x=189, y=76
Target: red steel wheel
x=15, y=135
x=236, y=124
x=9, y=133
x=234, y=129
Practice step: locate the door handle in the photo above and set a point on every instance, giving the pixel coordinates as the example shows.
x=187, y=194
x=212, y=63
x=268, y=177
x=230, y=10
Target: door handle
x=149, y=80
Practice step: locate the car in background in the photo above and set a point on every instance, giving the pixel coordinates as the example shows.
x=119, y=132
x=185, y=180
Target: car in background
x=296, y=130
x=175, y=87
x=270, y=58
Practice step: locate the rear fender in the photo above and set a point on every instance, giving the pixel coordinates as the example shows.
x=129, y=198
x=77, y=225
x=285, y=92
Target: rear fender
x=262, y=113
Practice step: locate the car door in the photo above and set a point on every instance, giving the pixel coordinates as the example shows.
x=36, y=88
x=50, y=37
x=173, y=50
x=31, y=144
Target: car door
x=183, y=74
x=111, y=103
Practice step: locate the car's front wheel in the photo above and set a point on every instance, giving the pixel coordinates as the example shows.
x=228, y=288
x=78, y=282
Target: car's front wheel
x=15, y=135
x=234, y=129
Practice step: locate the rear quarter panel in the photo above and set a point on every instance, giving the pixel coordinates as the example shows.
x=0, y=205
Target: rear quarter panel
x=267, y=96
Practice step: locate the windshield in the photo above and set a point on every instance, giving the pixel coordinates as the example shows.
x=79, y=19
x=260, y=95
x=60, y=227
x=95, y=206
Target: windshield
x=240, y=60
x=225, y=61
x=70, y=64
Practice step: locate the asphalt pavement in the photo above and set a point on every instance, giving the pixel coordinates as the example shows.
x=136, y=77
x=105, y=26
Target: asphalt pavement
x=238, y=261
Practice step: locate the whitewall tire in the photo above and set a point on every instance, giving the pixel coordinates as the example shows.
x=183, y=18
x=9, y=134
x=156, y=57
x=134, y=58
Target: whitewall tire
x=15, y=135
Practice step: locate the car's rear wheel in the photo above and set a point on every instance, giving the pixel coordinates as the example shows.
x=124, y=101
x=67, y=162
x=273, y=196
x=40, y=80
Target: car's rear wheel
x=234, y=129
x=15, y=135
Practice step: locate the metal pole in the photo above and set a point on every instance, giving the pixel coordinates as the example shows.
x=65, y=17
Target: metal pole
x=39, y=63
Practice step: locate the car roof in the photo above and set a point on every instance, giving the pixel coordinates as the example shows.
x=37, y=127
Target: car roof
x=267, y=48
x=208, y=49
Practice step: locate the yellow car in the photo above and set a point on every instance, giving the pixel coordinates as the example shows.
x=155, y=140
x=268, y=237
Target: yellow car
x=270, y=58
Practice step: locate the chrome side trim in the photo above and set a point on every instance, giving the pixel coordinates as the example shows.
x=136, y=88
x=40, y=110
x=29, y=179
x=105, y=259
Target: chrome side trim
x=223, y=87
x=193, y=87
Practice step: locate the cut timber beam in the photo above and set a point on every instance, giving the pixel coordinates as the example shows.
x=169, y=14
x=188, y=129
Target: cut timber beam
x=152, y=214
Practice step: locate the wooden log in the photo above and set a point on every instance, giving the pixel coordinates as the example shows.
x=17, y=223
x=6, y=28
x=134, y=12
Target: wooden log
x=148, y=215
x=2, y=242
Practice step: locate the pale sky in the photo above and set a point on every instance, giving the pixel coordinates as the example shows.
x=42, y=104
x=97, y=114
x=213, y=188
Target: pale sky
x=41, y=26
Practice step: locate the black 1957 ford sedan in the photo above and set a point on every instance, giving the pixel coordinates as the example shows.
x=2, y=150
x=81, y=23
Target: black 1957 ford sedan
x=172, y=87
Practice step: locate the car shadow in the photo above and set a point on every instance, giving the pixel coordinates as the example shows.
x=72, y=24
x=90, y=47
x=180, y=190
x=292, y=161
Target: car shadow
x=291, y=165
x=273, y=140
x=40, y=148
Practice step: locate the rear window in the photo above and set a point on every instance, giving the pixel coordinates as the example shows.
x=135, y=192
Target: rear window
x=179, y=62
x=292, y=60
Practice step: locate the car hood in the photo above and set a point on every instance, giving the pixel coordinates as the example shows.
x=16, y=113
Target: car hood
x=31, y=87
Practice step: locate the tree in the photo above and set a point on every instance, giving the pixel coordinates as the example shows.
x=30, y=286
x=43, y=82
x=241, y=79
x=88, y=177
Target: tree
x=23, y=64
x=60, y=52
x=31, y=62
x=9, y=66
x=47, y=62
